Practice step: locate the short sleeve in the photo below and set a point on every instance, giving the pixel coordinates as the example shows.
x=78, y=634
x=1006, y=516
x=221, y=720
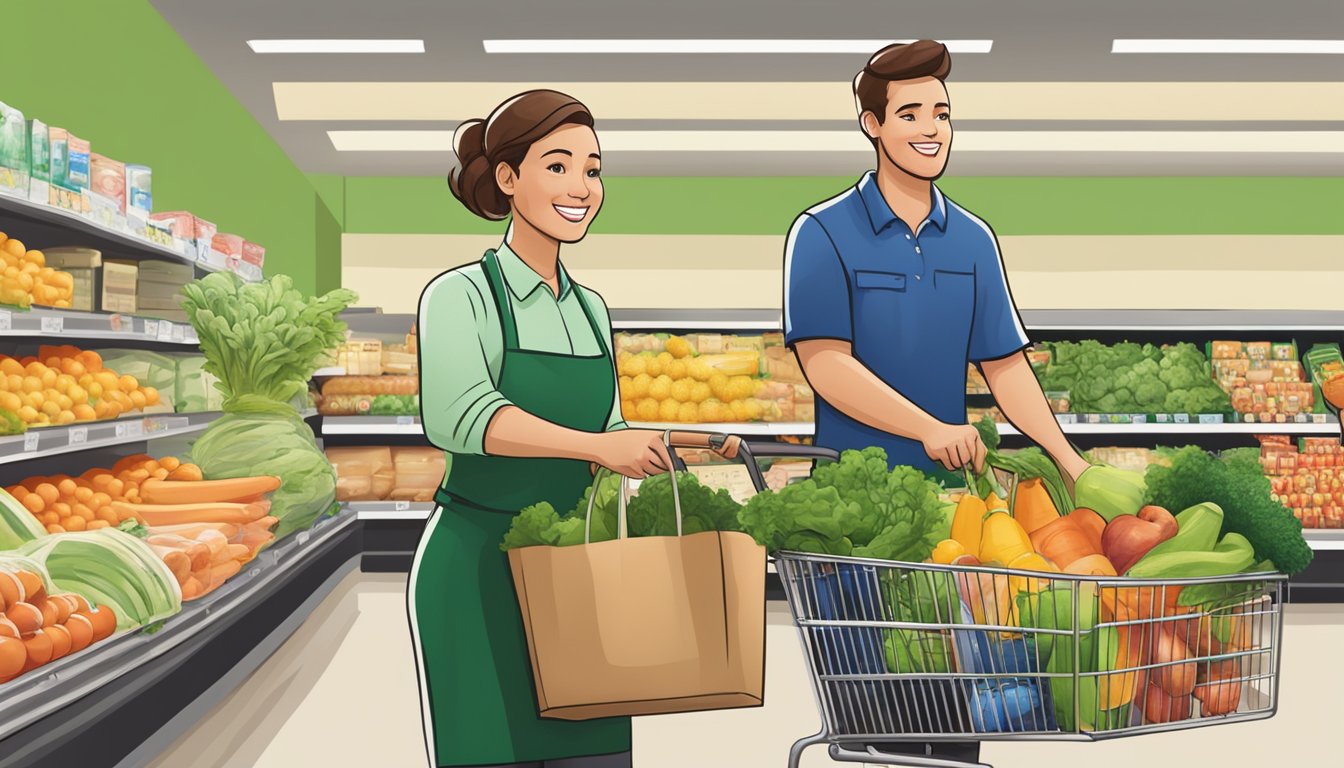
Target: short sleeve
x=615, y=420
x=457, y=391
x=816, y=288
x=997, y=330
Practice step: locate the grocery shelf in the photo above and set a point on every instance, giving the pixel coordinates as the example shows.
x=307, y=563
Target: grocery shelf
x=92, y=234
x=372, y=425
x=745, y=429
x=71, y=324
x=1321, y=540
x=50, y=441
x=391, y=510
x=671, y=320
x=329, y=371
x=67, y=710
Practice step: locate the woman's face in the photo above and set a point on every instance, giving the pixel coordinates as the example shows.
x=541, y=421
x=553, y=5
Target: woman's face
x=558, y=186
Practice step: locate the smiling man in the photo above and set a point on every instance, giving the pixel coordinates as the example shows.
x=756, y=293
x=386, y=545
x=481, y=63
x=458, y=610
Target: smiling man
x=890, y=289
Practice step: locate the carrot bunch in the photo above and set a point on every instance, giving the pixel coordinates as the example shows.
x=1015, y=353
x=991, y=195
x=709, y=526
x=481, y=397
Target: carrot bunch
x=62, y=503
x=205, y=531
x=37, y=628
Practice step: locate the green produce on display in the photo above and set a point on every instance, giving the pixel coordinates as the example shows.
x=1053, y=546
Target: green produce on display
x=194, y=389
x=1110, y=492
x=1236, y=483
x=110, y=567
x=18, y=526
x=264, y=341
x=395, y=405
x=1133, y=378
x=151, y=369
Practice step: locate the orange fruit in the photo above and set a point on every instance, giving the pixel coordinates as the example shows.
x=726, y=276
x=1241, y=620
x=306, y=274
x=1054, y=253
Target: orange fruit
x=15, y=247
x=81, y=632
x=39, y=650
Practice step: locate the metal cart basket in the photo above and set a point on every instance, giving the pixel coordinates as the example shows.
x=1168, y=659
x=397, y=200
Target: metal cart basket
x=903, y=654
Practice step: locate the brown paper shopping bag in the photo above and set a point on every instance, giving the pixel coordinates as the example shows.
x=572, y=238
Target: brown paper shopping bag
x=644, y=626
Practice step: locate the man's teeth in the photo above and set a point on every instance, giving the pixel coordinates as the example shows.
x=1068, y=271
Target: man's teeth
x=573, y=214
x=927, y=149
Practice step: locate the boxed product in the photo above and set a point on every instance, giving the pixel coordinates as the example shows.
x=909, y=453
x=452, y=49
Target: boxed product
x=13, y=152
x=193, y=234
x=39, y=162
x=60, y=154
x=159, y=289
x=139, y=195
x=361, y=357
x=253, y=254
x=363, y=473
x=77, y=167
x=226, y=250
x=118, y=286
x=419, y=473
x=1327, y=371
x=83, y=265
x=107, y=191
x=396, y=360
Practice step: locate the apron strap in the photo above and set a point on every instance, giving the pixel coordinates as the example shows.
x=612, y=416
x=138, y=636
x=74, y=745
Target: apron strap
x=497, y=288
x=603, y=342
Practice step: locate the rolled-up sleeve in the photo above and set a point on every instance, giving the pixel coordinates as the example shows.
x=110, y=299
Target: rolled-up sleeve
x=615, y=420
x=816, y=288
x=996, y=330
x=457, y=392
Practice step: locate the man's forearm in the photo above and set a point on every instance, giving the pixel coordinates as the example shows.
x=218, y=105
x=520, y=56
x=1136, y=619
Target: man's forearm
x=1018, y=394
x=847, y=384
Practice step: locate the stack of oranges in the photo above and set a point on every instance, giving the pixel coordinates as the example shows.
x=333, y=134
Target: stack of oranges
x=68, y=385
x=26, y=279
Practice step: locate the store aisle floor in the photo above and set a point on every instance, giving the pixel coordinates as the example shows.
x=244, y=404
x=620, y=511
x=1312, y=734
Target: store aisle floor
x=342, y=692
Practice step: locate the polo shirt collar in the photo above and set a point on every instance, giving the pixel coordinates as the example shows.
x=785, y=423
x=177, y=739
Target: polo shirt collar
x=880, y=214
x=522, y=280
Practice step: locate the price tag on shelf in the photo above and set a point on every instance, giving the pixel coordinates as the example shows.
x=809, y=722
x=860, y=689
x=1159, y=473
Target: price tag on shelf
x=405, y=420
x=121, y=430
x=1210, y=418
x=179, y=334
x=1092, y=418
x=1138, y=418
x=114, y=322
x=1320, y=418
x=1066, y=418
x=6, y=323
x=135, y=428
x=165, y=330
x=79, y=435
x=30, y=441
x=53, y=324
x=1163, y=418
x=1181, y=418
x=401, y=506
x=151, y=328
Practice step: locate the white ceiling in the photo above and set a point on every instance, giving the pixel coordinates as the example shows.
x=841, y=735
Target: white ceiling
x=1063, y=44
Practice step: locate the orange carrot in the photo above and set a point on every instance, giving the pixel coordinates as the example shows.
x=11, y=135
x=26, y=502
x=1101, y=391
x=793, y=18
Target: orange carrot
x=171, y=514
x=221, y=572
x=191, y=588
x=192, y=530
x=177, y=561
x=238, y=490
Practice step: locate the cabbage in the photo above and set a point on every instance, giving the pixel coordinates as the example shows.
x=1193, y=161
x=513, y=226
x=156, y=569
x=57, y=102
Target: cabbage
x=17, y=524
x=109, y=567
x=271, y=441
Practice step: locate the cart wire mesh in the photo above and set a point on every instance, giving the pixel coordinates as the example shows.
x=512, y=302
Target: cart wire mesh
x=922, y=652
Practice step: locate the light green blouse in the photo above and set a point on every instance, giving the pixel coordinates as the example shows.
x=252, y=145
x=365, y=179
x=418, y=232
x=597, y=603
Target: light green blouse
x=462, y=344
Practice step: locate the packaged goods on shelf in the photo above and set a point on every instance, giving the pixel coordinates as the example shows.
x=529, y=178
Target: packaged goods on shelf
x=419, y=473
x=397, y=360
x=371, y=385
x=13, y=152
x=63, y=385
x=78, y=154
x=975, y=414
x=139, y=195
x=361, y=357
x=1133, y=459
x=363, y=473
x=1265, y=380
x=39, y=161
x=1327, y=372
x=1306, y=477
x=190, y=232
x=253, y=254
x=119, y=286
x=107, y=191
x=82, y=264
x=159, y=289
x=226, y=250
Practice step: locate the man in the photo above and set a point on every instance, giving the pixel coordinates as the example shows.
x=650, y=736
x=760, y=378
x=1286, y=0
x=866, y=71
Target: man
x=890, y=289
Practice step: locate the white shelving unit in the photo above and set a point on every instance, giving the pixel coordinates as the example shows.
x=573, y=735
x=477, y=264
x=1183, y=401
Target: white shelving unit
x=65, y=324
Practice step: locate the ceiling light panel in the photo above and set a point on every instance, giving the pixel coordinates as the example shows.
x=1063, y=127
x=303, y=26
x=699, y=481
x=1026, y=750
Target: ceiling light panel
x=337, y=46
x=703, y=46
x=1228, y=46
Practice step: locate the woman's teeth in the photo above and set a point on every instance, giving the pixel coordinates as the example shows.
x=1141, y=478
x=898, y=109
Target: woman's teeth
x=929, y=149
x=571, y=214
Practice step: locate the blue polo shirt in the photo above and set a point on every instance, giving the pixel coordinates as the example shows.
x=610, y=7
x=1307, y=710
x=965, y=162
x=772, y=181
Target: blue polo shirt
x=915, y=304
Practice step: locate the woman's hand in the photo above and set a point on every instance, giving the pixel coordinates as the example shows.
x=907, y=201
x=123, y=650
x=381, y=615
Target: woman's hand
x=635, y=453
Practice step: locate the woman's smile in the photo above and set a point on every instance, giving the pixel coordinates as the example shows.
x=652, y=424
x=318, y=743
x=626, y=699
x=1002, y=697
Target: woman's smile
x=571, y=213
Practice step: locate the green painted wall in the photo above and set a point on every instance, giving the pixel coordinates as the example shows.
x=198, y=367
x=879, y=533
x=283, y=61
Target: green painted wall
x=1013, y=206
x=141, y=95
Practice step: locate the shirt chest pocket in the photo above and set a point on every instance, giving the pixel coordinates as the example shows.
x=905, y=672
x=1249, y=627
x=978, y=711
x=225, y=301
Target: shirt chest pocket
x=880, y=302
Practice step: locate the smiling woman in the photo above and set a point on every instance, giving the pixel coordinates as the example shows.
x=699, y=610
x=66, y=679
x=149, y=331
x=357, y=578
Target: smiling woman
x=518, y=385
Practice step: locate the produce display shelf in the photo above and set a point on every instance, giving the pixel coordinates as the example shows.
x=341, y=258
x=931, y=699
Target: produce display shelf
x=74, y=708
x=746, y=429
x=391, y=510
x=1106, y=320
x=50, y=441
x=72, y=324
x=372, y=425
x=1324, y=539
x=94, y=235
x=329, y=371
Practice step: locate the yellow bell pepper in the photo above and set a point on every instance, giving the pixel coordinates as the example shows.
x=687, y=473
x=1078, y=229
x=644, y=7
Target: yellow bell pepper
x=1002, y=539
x=947, y=551
x=993, y=502
x=967, y=523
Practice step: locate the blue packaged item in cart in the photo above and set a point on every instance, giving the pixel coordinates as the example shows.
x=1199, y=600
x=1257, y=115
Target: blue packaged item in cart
x=1005, y=703
x=850, y=593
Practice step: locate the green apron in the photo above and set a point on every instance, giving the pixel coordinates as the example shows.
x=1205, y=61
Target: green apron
x=475, y=673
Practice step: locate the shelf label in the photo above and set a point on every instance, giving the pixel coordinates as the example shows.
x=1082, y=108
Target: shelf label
x=1067, y=418
x=121, y=430
x=1210, y=418
x=1162, y=418
x=115, y=322
x=1181, y=418
x=404, y=420
x=1320, y=418
x=5, y=322
x=401, y=506
x=79, y=435
x=179, y=334
x=151, y=328
x=30, y=441
x=53, y=324
x=135, y=428
x=165, y=330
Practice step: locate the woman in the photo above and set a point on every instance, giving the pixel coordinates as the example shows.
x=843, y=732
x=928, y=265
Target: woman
x=518, y=385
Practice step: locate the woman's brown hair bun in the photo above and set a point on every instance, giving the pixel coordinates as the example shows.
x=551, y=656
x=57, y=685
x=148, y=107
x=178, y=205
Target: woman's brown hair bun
x=504, y=137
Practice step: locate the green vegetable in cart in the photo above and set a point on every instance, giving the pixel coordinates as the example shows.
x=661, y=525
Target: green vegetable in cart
x=1237, y=484
x=1111, y=492
x=1197, y=530
x=802, y=517
x=920, y=597
x=109, y=567
x=1231, y=555
x=652, y=512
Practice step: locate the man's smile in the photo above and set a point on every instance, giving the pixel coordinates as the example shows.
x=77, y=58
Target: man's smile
x=927, y=148
x=571, y=214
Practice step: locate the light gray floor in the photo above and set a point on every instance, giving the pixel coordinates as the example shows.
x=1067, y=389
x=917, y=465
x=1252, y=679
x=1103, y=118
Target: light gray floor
x=342, y=692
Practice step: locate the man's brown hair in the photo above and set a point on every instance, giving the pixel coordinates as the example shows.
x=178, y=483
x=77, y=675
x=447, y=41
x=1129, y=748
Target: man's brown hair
x=900, y=61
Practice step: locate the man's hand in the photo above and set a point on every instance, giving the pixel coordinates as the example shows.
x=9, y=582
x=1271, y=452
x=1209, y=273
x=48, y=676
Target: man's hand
x=954, y=446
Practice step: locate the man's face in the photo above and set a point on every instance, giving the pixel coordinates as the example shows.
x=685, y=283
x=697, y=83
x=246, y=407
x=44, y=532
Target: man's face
x=916, y=132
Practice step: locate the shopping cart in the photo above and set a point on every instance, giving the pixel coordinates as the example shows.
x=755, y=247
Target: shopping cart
x=906, y=655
